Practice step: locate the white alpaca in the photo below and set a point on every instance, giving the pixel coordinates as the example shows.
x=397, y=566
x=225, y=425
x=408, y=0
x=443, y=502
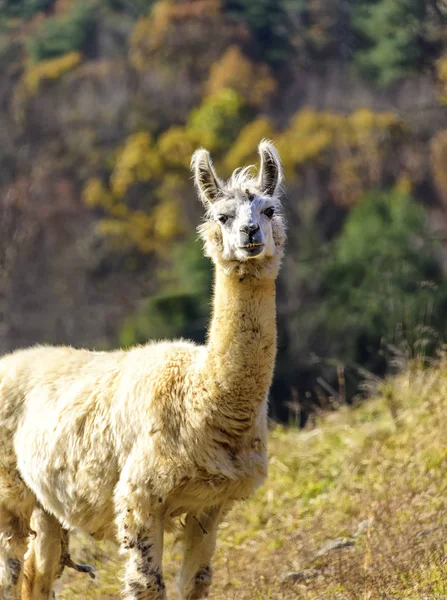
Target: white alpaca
x=118, y=444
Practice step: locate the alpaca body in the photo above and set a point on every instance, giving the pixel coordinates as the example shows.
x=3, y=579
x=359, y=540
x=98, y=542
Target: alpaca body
x=119, y=444
x=94, y=421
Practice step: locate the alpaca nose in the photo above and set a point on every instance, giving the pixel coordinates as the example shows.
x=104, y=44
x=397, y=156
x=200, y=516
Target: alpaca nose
x=250, y=229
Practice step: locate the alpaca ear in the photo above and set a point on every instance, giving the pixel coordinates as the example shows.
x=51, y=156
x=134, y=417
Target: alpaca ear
x=205, y=178
x=270, y=174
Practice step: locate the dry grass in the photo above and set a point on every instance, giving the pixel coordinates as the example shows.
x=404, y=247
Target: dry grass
x=376, y=475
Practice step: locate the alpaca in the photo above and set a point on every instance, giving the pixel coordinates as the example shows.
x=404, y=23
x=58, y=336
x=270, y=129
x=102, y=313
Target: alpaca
x=119, y=444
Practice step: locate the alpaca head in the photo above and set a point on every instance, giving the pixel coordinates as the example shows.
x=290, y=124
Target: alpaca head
x=244, y=228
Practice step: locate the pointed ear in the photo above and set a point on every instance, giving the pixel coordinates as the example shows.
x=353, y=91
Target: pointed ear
x=270, y=173
x=205, y=178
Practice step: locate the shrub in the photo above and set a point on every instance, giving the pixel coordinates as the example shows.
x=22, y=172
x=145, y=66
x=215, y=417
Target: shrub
x=383, y=279
x=217, y=121
x=176, y=146
x=176, y=33
x=181, y=310
x=244, y=149
x=145, y=231
x=351, y=151
x=254, y=82
x=60, y=35
x=392, y=34
x=139, y=213
x=95, y=194
x=441, y=72
x=269, y=25
x=134, y=8
x=138, y=161
x=438, y=162
x=163, y=316
x=24, y=9
x=298, y=30
x=49, y=70
x=373, y=294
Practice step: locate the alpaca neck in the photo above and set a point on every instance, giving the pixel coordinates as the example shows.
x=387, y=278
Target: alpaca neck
x=241, y=349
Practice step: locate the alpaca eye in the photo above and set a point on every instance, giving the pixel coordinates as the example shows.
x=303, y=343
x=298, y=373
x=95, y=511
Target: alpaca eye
x=223, y=219
x=269, y=212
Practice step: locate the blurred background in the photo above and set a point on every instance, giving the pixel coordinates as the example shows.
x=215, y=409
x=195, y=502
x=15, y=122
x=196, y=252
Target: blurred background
x=102, y=104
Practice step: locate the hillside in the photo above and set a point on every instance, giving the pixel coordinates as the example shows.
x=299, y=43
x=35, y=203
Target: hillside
x=102, y=103
x=354, y=508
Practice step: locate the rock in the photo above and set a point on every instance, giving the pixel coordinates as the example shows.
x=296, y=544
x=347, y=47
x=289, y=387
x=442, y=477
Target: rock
x=304, y=575
x=426, y=532
x=337, y=544
x=363, y=526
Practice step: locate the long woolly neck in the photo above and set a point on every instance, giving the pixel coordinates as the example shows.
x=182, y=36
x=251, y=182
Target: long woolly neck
x=241, y=350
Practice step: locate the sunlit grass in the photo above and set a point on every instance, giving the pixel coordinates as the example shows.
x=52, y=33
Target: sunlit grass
x=375, y=474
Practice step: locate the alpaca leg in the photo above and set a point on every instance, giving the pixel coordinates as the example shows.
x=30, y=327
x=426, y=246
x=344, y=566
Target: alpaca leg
x=143, y=549
x=199, y=544
x=43, y=562
x=14, y=532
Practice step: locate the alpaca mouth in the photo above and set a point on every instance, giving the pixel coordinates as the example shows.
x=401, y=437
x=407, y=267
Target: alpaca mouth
x=252, y=249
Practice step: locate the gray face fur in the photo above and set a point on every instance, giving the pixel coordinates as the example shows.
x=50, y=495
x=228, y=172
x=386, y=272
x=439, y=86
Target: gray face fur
x=244, y=221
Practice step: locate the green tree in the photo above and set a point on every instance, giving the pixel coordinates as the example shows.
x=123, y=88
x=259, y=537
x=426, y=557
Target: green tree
x=269, y=24
x=392, y=35
x=376, y=290
x=383, y=281
x=23, y=9
x=181, y=308
x=134, y=8
x=294, y=29
x=62, y=34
